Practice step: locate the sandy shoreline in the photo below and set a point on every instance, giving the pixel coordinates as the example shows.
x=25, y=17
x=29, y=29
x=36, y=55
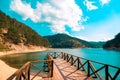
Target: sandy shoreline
x=37, y=49
x=6, y=70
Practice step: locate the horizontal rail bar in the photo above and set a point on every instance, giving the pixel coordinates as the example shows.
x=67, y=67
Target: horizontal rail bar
x=41, y=61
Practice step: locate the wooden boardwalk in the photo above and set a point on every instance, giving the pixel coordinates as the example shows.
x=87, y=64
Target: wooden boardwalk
x=63, y=66
x=65, y=71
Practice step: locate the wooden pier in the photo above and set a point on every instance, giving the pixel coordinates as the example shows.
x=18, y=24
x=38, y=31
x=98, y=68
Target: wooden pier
x=63, y=66
x=65, y=71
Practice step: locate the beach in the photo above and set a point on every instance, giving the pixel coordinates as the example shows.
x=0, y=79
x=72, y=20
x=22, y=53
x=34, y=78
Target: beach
x=5, y=70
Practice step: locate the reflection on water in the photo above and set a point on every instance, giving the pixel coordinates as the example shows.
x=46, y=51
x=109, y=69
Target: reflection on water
x=17, y=60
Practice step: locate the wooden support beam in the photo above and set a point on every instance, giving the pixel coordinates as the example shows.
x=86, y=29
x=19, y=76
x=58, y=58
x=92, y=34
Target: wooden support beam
x=94, y=69
x=88, y=69
x=51, y=68
x=117, y=73
x=106, y=72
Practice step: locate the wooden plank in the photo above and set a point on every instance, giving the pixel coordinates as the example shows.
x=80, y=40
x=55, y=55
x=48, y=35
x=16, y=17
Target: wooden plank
x=65, y=71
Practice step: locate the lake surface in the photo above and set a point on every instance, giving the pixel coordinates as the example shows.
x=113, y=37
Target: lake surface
x=96, y=54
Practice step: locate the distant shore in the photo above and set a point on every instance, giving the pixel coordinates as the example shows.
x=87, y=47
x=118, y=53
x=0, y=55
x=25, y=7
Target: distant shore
x=23, y=49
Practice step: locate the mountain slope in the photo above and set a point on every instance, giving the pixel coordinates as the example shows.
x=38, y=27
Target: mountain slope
x=14, y=32
x=63, y=41
x=97, y=44
x=114, y=43
x=66, y=41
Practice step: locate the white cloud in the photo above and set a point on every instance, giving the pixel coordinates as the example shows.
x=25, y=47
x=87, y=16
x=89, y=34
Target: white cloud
x=57, y=12
x=89, y=5
x=24, y=9
x=103, y=2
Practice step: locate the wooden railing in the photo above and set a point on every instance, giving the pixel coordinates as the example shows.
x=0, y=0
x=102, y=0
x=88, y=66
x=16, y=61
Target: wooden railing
x=24, y=73
x=97, y=70
x=91, y=68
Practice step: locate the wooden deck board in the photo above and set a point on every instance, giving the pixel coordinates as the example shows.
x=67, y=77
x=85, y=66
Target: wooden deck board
x=65, y=71
x=68, y=71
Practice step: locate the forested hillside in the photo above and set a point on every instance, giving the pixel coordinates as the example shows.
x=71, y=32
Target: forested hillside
x=63, y=41
x=66, y=41
x=114, y=43
x=12, y=31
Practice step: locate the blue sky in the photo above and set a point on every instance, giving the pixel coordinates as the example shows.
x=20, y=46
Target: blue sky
x=92, y=20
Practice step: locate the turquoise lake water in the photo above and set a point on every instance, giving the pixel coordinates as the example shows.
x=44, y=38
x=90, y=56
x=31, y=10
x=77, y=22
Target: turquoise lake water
x=96, y=54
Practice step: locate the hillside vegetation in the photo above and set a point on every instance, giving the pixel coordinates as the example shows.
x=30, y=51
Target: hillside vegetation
x=114, y=43
x=66, y=41
x=12, y=31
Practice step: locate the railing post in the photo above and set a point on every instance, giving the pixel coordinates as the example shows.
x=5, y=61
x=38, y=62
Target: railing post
x=106, y=72
x=67, y=57
x=88, y=68
x=78, y=65
x=72, y=60
x=29, y=72
x=54, y=55
x=52, y=68
x=62, y=55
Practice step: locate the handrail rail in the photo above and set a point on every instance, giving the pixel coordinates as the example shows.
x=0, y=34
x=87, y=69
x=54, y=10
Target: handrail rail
x=90, y=68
